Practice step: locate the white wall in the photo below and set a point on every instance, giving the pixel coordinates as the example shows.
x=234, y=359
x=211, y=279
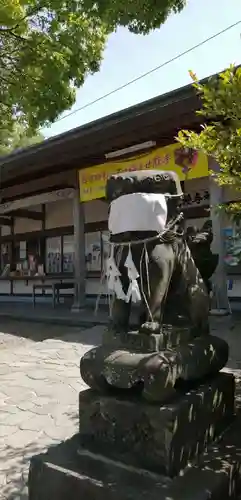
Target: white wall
x=94, y=287
x=59, y=214
x=5, y=230
x=96, y=211
x=24, y=225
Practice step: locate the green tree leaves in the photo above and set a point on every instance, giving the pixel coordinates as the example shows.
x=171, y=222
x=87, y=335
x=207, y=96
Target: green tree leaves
x=48, y=47
x=221, y=136
x=139, y=17
x=17, y=138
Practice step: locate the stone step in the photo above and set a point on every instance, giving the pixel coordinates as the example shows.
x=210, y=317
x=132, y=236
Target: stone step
x=160, y=438
x=66, y=472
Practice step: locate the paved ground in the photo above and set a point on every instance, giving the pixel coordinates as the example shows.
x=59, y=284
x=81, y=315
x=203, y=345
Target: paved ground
x=40, y=382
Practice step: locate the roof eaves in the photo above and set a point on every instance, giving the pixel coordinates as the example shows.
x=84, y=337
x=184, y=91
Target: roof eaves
x=162, y=101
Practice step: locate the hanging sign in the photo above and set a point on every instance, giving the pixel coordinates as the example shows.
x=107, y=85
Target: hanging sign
x=196, y=199
x=188, y=164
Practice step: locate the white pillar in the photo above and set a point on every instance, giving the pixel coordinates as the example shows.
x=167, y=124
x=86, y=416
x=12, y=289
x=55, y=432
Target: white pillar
x=219, y=278
x=79, y=253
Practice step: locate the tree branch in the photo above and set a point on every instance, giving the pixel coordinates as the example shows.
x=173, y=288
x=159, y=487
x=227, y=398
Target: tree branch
x=6, y=80
x=7, y=32
x=9, y=106
x=29, y=14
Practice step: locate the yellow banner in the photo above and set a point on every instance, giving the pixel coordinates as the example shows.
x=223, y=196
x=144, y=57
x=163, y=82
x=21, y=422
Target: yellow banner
x=188, y=164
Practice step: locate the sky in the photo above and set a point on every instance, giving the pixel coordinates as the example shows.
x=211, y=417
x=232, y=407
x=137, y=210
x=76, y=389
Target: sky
x=127, y=56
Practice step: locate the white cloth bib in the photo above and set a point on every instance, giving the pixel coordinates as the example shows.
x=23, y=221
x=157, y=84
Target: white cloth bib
x=138, y=212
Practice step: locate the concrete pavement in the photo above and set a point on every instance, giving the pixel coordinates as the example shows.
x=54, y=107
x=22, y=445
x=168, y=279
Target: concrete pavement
x=40, y=382
x=39, y=389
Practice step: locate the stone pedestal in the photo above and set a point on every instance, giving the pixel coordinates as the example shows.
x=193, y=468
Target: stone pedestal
x=67, y=472
x=155, y=373
x=161, y=439
x=168, y=337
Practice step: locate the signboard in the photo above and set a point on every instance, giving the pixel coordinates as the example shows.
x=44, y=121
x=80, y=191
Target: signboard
x=196, y=199
x=93, y=251
x=188, y=164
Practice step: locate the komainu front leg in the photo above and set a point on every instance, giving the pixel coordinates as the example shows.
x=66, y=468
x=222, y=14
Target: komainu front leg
x=120, y=315
x=154, y=293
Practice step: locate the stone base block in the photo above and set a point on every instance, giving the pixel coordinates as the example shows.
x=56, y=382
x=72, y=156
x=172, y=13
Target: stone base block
x=156, y=374
x=168, y=337
x=67, y=473
x=162, y=439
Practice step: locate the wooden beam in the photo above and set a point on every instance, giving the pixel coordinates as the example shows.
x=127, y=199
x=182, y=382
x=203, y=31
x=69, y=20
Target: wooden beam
x=27, y=214
x=48, y=233
x=4, y=221
x=56, y=231
x=60, y=180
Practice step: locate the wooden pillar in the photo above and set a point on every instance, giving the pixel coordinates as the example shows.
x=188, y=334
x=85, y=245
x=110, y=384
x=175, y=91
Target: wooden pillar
x=79, y=253
x=42, y=242
x=12, y=253
x=219, y=277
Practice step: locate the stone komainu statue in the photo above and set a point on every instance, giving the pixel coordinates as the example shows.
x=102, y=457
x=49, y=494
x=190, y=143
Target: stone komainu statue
x=151, y=264
x=199, y=243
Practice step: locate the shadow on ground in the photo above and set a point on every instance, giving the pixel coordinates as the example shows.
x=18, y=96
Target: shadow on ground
x=211, y=465
x=39, y=332
x=15, y=460
x=91, y=334
x=15, y=468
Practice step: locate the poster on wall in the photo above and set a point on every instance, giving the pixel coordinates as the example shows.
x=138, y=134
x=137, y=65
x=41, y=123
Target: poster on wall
x=68, y=254
x=93, y=251
x=232, y=245
x=53, y=255
x=22, y=250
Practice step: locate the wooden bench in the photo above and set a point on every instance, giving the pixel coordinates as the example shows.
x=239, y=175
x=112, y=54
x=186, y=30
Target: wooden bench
x=65, y=285
x=55, y=287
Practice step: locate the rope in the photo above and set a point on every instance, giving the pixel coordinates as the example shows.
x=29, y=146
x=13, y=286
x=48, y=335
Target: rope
x=147, y=270
x=142, y=287
x=166, y=236
x=102, y=278
x=161, y=236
